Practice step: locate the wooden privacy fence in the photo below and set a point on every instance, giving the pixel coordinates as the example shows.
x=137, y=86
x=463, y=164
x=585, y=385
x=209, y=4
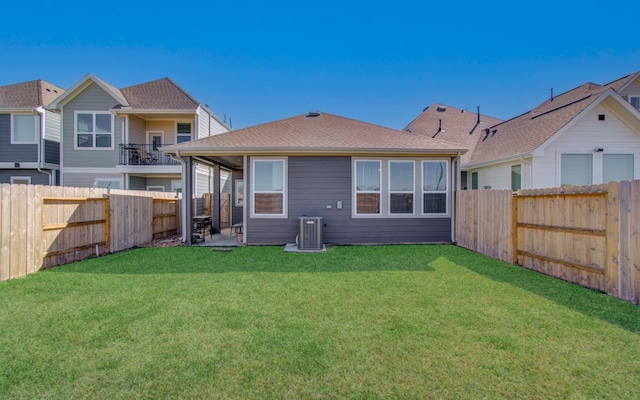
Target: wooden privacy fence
x=44, y=226
x=586, y=235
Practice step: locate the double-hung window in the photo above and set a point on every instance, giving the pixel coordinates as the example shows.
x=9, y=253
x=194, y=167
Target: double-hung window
x=434, y=187
x=576, y=169
x=183, y=132
x=94, y=130
x=25, y=128
x=635, y=101
x=401, y=185
x=268, y=188
x=617, y=167
x=368, y=189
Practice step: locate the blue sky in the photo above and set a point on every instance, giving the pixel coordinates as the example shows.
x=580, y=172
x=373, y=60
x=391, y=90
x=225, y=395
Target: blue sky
x=380, y=62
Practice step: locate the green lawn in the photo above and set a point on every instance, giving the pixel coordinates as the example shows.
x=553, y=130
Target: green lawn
x=354, y=322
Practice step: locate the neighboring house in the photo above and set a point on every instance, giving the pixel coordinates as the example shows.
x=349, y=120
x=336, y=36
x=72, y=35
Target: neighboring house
x=588, y=135
x=111, y=137
x=369, y=183
x=454, y=125
x=29, y=134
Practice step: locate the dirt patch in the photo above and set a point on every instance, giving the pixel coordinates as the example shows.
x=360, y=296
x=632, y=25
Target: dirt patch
x=167, y=241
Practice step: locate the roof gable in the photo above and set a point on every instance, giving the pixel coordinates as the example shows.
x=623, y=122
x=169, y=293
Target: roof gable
x=29, y=95
x=82, y=84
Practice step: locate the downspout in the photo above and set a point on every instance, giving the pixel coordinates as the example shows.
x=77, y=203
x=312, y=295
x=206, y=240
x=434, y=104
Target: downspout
x=530, y=172
x=125, y=140
x=454, y=165
x=40, y=111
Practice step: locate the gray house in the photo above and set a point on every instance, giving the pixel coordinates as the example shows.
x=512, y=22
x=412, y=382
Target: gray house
x=112, y=137
x=29, y=133
x=369, y=183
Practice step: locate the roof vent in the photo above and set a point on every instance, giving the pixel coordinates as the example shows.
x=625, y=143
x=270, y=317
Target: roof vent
x=441, y=109
x=313, y=114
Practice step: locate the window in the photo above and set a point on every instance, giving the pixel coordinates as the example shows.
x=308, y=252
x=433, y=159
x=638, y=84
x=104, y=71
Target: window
x=239, y=193
x=368, y=180
x=401, y=184
x=176, y=186
x=183, y=132
x=576, y=169
x=635, y=101
x=268, y=186
x=516, y=177
x=25, y=129
x=108, y=183
x=155, y=188
x=617, y=167
x=20, y=180
x=474, y=180
x=94, y=130
x=434, y=187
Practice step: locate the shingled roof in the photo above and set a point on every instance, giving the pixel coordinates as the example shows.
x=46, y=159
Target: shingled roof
x=29, y=95
x=317, y=133
x=453, y=125
x=161, y=94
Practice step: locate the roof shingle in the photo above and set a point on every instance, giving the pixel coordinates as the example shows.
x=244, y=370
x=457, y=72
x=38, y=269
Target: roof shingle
x=30, y=94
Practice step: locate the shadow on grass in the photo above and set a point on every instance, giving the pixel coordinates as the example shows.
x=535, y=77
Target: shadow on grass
x=190, y=260
x=584, y=300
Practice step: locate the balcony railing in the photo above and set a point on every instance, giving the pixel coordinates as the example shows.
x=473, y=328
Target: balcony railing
x=144, y=154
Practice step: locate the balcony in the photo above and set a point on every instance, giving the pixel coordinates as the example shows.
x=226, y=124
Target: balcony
x=144, y=154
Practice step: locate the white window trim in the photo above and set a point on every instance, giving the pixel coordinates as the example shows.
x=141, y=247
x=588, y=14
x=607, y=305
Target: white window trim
x=356, y=191
x=119, y=180
x=597, y=162
x=150, y=133
x=35, y=124
x=15, y=178
x=156, y=187
x=390, y=192
x=176, y=130
x=76, y=133
x=285, y=200
x=446, y=192
x=173, y=185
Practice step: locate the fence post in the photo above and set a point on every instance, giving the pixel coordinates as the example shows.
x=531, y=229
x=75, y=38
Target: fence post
x=612, y=276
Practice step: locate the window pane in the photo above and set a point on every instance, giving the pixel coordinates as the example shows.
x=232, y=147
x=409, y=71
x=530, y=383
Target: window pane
x=367, y=175
x=617, y=167
x=576, y=169
x=435, y=203
x=184, y=128
x=24, y=128
x=269, y=176
x=85, y=140
x=182, y=139
x=268, y=203
x=103, y=140
x=103, y=123
x=401, y=176
x=434, y=175
x=474, y=180
x=635, y=101
x=368, y=203
x=84, y=122
x=516, y=177
x=401, y=203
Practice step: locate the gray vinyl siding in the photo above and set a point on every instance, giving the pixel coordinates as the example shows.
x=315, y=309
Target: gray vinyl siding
x=51, y=152
x=87, y=180
x=314, y=183
x=93, y=98
x=14, y=152
x=202, y=183
x=236, y=212
x=137, y=183
x=37, y=178
x=52, y=126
